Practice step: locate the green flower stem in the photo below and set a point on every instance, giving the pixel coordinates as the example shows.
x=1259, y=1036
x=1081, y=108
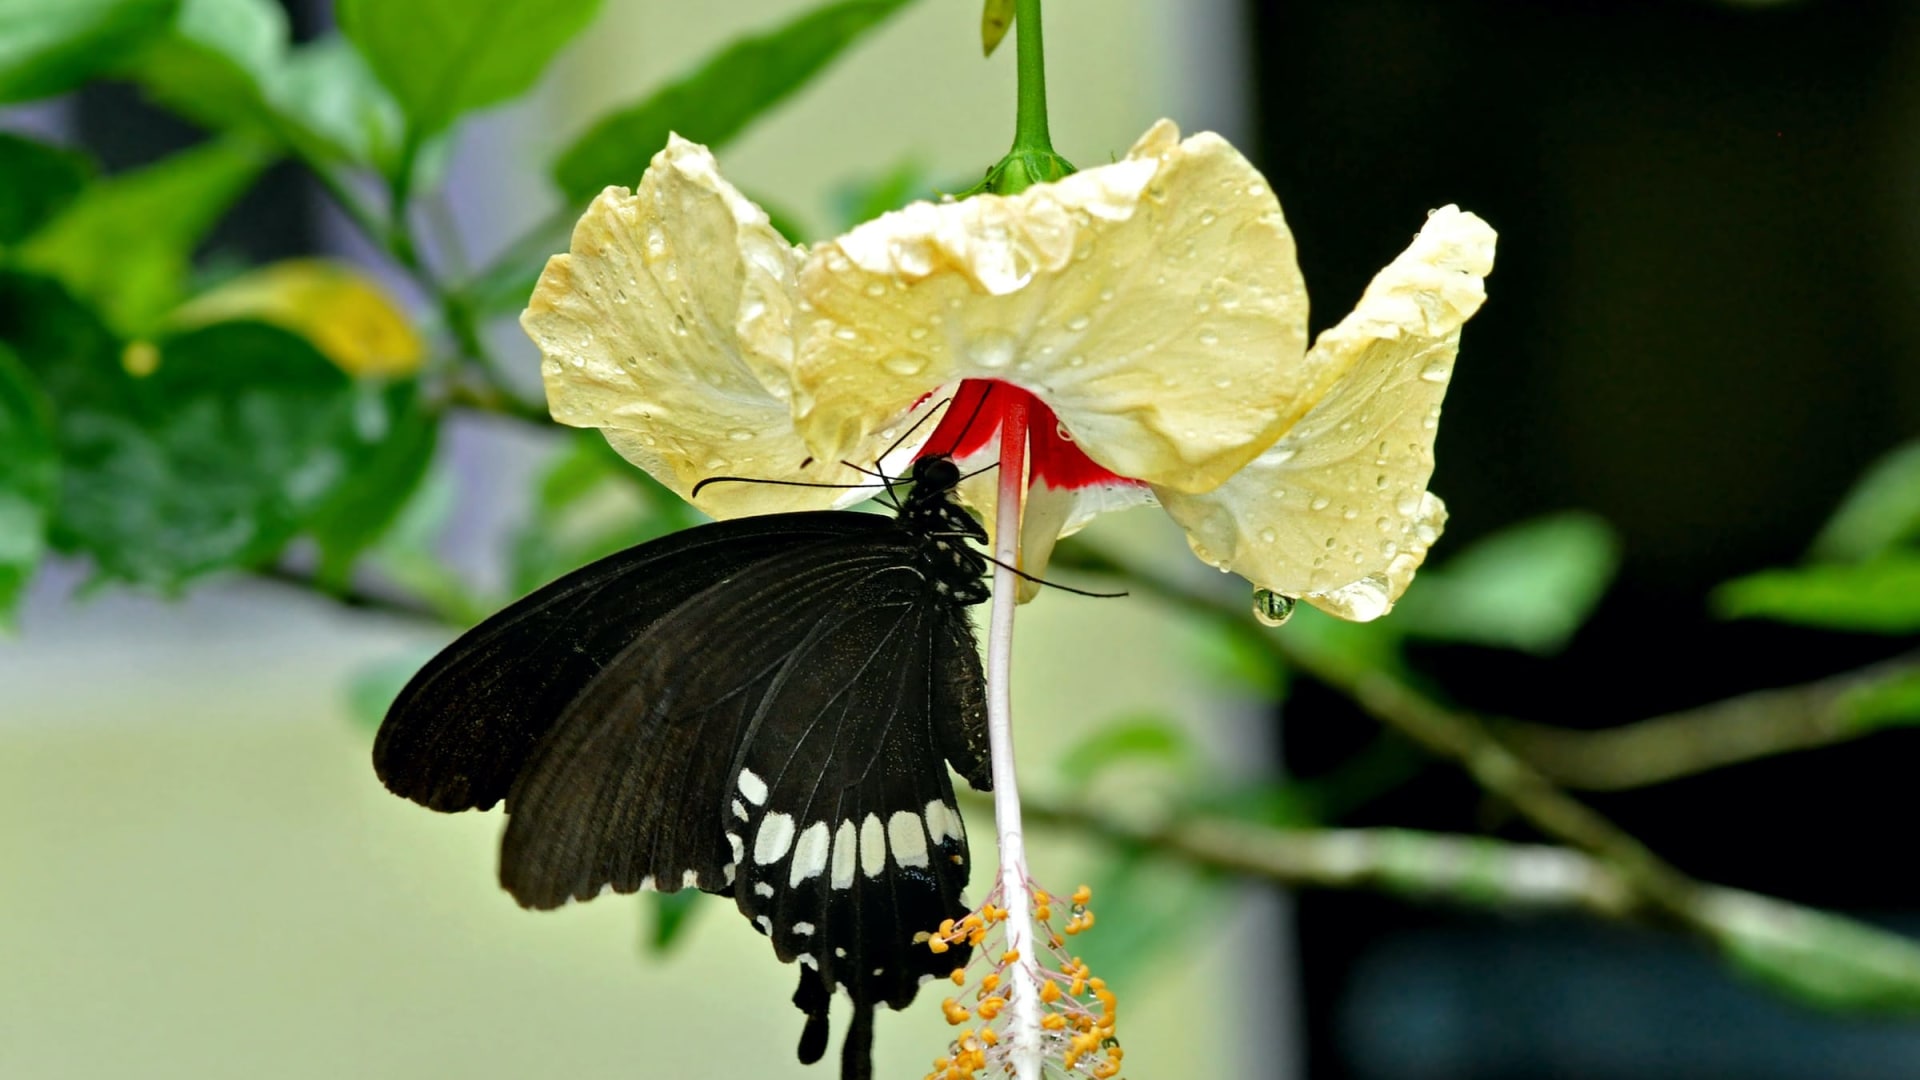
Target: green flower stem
x=1032, y=159
x=1030, y=124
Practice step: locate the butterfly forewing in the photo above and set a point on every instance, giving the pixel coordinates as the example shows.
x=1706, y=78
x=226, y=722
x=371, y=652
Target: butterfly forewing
x=626, y=792
x=464, y=726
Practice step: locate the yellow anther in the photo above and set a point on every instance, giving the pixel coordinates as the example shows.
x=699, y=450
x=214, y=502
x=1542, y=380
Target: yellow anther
x=946, y=927
x=1082, y=894
x=1043, y=912
x=1086, y=920
x=937, y=945
x=1097, y=985
x=1079, y=987
x=959, y=976
x=957, y=1013
x=1050, y=992
x=1106, y=1070
x=1054, y=1022
x=990, y=1007
x=987, y=1036
x=1011, y=956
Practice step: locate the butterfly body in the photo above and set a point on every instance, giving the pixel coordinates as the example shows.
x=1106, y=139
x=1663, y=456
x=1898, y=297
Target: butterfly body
x=762, y=708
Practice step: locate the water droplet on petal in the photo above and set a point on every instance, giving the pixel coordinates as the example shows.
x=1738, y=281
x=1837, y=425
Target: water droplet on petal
x=846, y=333
x=741, y=435
x=1271, y=608
x=1207, y=217
x=1076, y=361
x=1078, y=322
x=1437, y=372
x=1268, y=536
x=876, y=289
x=904, y=364
x=1209, y=339
x=1319, y=503
x=918, y=333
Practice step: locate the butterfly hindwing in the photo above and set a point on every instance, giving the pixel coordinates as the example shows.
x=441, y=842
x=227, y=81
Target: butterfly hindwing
x=843, y=807
x=464, y=726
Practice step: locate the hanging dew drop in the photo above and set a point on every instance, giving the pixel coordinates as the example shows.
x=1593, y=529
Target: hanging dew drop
x=1271, y=608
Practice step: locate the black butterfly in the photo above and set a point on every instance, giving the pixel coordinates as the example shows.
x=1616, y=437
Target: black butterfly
x=756, y=708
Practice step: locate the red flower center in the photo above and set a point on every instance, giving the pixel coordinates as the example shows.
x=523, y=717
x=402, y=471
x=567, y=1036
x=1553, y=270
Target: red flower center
x=972, y=422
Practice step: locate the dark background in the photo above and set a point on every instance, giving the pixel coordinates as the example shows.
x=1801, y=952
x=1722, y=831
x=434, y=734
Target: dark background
x=1701, y=327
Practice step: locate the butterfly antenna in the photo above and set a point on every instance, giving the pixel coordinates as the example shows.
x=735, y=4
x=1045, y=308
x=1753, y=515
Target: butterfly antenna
x=1053, y=585
x=908, y=434
x=777, y=483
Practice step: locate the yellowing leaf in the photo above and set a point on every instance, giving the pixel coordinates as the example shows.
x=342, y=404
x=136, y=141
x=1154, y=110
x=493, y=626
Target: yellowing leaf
x=344, y=313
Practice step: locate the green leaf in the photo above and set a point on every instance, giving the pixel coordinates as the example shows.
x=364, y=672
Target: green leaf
x=212, y=462
x=1882, y=510
x=718, y=100
x=394, y=436
x=671, y=912
x=1881, y=596
x=37, y=181
x=327, y=91
x=215, y=61
x=27, y=482
x=48, y=47
x=1528, y=587
x=442, y=58
x=1893, y=702
x=126, y=244
x=1147, y=738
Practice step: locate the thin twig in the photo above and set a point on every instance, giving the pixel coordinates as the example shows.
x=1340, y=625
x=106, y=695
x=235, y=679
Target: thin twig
x=1765, y=723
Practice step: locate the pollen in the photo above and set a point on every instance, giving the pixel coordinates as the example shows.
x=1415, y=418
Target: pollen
x=1072, y=1013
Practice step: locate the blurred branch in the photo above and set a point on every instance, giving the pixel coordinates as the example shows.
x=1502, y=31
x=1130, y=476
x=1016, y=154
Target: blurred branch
x=1744, y=728
x=1461, y=869
x=1449, y=733
x=1820, y=958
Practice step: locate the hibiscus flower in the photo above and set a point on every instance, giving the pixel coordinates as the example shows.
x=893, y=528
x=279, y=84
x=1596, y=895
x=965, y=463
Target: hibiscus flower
x=1149, y=316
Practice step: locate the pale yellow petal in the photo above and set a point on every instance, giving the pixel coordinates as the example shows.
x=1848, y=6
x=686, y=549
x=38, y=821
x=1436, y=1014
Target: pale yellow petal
x=1154, y=304
x=668, y=326
x=1337, y=512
